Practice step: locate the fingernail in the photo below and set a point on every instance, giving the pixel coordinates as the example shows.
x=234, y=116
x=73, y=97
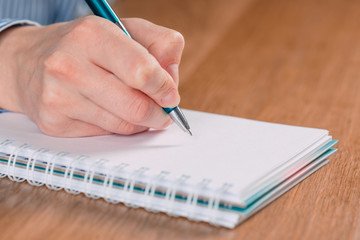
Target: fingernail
x=172, y=99
x=173, y=70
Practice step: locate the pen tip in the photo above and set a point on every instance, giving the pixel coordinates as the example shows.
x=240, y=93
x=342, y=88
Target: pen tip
x=188, y=131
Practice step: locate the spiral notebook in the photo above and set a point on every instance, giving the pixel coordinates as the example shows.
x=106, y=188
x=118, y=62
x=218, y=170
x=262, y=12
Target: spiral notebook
x=228, y=170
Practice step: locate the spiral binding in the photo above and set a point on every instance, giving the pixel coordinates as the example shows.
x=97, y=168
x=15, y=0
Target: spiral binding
x=122, y=172
x=150, y=190
x=214, y=202
x=49, y=176
x=32, y=161
x=192, y=200
x=129, y=186
x=110, y=178
x=171, y=194
x=68, y=180
x=89, y=184
x=3, y=144
x=12, y=159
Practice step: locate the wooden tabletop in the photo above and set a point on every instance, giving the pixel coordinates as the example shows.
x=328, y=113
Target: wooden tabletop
x=293, y=62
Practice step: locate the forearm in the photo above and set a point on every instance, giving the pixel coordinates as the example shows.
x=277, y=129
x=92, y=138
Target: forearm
x=8, y=92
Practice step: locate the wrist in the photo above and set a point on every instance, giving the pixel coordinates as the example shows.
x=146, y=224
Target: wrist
x=13, y=43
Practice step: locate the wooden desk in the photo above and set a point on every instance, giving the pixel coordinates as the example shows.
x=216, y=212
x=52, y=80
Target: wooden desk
x=295, y=62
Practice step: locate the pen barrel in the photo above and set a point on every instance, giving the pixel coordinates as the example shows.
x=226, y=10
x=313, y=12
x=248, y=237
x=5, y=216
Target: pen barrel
x=102, y=8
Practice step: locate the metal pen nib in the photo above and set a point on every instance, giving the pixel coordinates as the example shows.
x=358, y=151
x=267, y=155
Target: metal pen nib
x=179, y=118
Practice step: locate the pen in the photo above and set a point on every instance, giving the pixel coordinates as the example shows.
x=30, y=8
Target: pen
x=102, y=8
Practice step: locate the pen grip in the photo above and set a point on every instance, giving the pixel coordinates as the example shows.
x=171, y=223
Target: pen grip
x=168, y=110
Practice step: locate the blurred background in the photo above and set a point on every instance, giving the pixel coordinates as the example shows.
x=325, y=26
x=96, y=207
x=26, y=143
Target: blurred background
x=202, y=22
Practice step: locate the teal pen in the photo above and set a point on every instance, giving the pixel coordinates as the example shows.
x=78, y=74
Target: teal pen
x=102, y=8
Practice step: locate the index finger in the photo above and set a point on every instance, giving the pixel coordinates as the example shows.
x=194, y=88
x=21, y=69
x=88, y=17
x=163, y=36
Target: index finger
x=165, y=44
x=112, y=50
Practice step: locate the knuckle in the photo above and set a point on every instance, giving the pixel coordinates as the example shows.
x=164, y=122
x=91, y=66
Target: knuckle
x=59, y=63
x=108, y=122
x=140, y=110
x=83, y=28
x=169, y=48
x=121, y=127
x=173, y=43
x=127, y=128
x=144, y=70
x=176, y=38
x=98, y=30
x=164, y=87
x=51, y=99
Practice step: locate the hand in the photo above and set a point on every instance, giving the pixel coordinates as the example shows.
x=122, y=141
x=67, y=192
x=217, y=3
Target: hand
x=86, y=77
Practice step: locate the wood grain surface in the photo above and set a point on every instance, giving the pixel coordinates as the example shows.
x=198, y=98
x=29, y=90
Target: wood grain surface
x=294, y=62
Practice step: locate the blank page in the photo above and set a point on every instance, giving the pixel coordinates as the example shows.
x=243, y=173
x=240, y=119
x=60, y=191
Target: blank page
x=224, y=149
